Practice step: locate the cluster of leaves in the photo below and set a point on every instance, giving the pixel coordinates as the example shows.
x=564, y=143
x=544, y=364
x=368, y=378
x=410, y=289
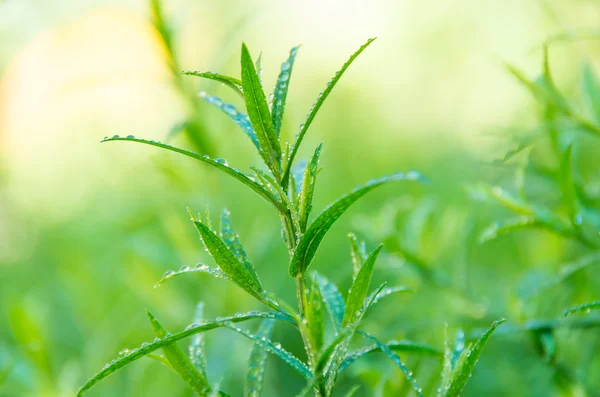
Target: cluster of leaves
x=289, y=187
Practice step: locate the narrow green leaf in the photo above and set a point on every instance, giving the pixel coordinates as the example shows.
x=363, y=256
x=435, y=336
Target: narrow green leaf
x=357, y=252
x=585, y=308
x=281, y=90
x=567, y=186
x=217, y=163
x=314, y=315
x=258, y=111
x=311, y=240
x=334, y=302
x=396, y=346
x=180, y=362
x=240, y=118
x=229, y=263
x=231, y=82
x=352, y=391
x=160, y=23
x=505, y=227
x=275, y=349
x=459, y=347
x=360, y=288
x=447, y=365
x=197, y=349
x=466, y=363
x=591, y=91
x=308, y=189
x=315, y=109
x=199, y=268
x=396, y=360
x=147, y=348
x=257, y=362
x=232, y=241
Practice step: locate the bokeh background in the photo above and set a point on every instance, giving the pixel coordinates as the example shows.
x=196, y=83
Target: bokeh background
x=87, y=229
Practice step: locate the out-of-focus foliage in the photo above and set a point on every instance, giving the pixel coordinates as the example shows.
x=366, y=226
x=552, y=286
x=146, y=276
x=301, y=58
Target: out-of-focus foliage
x=507, y=226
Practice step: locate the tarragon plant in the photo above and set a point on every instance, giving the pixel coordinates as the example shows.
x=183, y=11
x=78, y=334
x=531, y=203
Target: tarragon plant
x=289, y=187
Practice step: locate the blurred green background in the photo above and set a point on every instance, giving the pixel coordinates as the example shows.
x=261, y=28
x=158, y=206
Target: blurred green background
x=87, y=229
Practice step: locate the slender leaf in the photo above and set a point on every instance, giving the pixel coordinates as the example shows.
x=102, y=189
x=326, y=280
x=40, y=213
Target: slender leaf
x=197, y=349
x=180, y=362
x=396, y=360
x=229, y=263
x=334, y=302
x=591, y=91
x=396, y=346
x=308, y=189
x=466, y=363
x=281, y=90
x=275, y=349
x=240, y=118
x=352, y=391
x=219, y=164
x=231, y=82
x=315, y=109
x=360, y=288
x=585, y=308
x=258, y=361
x=311, y=240
x=231, y=239
x=147, y=348
x=314, y=315
x=567, y=186
x=357, y=252
x=505, y=227
x=199, y=268
x=258, y=111
x=459, y=347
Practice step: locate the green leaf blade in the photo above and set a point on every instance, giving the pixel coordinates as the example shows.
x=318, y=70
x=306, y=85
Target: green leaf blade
x=259, y=114
x=334, y=302
x=258, y=359
x=231, y=82
x=585, y=308
x=311, y=240
x=396, y=360
x=180, y=362
x=218, y=164
x=320, y=100
x=308, y=189
x=147, y=348
x=281, y=90
x=231, y=239
x=360, y=288
x=229, y=263
x=466, y=363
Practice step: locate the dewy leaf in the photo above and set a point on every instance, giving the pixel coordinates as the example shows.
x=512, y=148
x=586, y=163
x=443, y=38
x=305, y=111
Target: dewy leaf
x=459, y=347
x=396, y=359
x=275, y=349
x=232, y=241
x=229, y=263
x=314, y=315
x=360, y=288
x=585, y=308
x=357, y=253
x=180, y=362
x=258, y=111
x=396, y=346
x=219, y=164
x=281, y=90
x=315, y=109
x=147, y=348
x=334, y=302
x=308, y=189
x=231, y=82
x=197, y=349
x=466, y=363
x=311, y=240
x=258, y=361
x=235, y=115
x=352, y=391
x=502, y=228
x=199, y=268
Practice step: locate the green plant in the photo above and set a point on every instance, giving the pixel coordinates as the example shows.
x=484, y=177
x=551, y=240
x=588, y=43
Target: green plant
x=290, y=189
